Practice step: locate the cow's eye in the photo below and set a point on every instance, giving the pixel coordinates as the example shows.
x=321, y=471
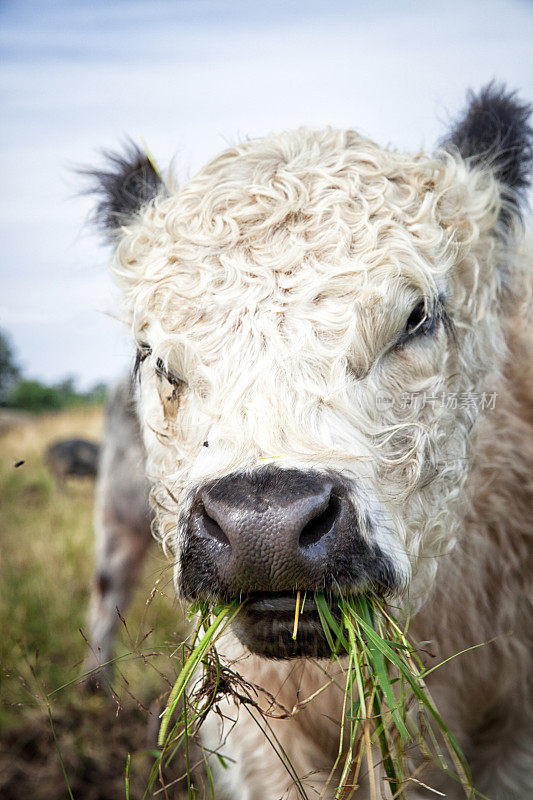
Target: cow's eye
x=163, y=372
x=422, y=321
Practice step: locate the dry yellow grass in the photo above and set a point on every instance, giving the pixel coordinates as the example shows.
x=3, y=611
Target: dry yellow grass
x=32, y=436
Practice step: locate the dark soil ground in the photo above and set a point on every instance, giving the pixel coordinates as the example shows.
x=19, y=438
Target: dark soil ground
x=94, y=738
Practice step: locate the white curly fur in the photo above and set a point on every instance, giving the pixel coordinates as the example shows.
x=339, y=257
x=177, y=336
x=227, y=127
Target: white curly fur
x=275, y=285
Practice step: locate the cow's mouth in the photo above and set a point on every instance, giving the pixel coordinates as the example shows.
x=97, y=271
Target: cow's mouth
x=265, y=625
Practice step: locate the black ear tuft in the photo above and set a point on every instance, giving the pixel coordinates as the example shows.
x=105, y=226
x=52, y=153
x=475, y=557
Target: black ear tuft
x=494, y=131
x=128, y=181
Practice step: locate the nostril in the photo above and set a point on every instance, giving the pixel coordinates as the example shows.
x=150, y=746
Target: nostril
x=320, y=525
x=212, y=528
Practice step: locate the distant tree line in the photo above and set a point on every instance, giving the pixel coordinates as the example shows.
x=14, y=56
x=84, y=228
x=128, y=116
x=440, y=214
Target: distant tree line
x=33, y=395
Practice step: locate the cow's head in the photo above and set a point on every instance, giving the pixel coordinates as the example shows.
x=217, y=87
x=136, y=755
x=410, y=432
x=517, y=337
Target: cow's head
x=316, y=318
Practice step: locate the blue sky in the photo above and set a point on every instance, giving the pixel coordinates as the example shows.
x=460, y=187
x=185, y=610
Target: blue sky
x=190, y=77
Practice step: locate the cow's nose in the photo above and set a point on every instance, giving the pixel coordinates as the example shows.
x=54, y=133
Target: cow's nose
x=269, y=532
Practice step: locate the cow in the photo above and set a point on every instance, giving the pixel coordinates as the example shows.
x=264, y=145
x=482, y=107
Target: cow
x=72, y=457
x=122, y=523
x=334, y=386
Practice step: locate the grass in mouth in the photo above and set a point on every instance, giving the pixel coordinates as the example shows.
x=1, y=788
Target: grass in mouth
x=390, y=728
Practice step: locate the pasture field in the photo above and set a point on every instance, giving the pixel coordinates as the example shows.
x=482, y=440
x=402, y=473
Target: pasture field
x=46, y=565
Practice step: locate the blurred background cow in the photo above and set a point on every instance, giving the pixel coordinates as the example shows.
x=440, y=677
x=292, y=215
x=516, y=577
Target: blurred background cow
x=72, y=458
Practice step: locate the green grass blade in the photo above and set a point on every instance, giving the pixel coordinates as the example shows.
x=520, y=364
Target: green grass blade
x=331, y=623
x=59, y=754
x=206, y=641
x=127, y=777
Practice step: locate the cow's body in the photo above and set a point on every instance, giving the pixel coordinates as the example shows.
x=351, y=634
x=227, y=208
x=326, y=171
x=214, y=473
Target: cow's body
x=335, y=393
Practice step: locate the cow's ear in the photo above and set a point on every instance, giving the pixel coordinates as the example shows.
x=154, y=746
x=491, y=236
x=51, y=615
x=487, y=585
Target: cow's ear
x=494, y=133
x=126, y=182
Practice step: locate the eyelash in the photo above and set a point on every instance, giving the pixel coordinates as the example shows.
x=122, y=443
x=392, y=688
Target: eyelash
x=142, y=354
x=164, y=373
